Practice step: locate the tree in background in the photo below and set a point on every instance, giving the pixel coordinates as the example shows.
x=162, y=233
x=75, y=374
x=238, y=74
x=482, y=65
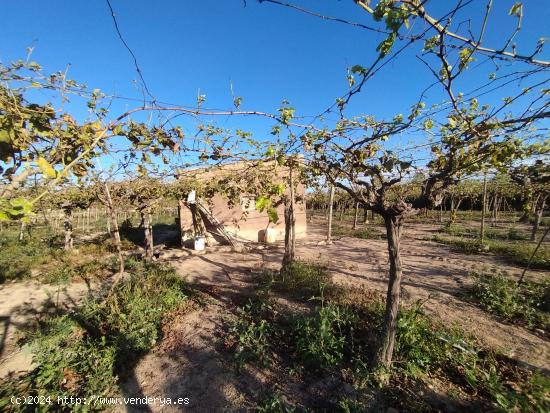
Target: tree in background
x=69, y=199
x=143, y=193
x=463, y=135
x=467, y=189
x=535, y=180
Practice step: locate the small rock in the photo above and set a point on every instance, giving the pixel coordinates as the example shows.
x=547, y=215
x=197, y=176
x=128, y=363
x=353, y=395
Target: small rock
x=238, y=248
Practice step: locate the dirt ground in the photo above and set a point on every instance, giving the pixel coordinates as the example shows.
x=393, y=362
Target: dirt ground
x=189, y=361
x=194, y=366
x=23, y=303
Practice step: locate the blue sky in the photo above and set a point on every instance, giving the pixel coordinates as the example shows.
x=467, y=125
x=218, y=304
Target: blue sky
x=267, y=52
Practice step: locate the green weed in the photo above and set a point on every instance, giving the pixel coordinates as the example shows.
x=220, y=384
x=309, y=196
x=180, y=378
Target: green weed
x=18, y=259
x=274, y=404
x=502, y=296
x=251, y=333
x=300, y=278
x=81, y=353
x=363, y=233
x=516, y=252
x=511, y=234
x=320, y=338
x=341, y=332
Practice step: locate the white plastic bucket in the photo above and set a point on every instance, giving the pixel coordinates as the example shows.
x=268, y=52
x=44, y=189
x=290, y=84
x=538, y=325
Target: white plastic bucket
x=200, y=242
x=270, y=235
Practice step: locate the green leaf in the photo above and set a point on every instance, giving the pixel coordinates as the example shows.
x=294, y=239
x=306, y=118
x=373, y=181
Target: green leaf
x=430, y=43
x=34, y=66
x=516, y=9
x=385, y=46
x=15, y=209
x=117, y=130
x=273, y=216
x=262, y=203
x=428, y=124
x=279, y=189
x=46, y=168
x=466, y=58
x=358, y=69
x=351, y=80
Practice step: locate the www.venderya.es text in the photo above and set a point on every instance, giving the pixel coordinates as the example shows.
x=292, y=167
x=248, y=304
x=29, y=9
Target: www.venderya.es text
x=98, y=400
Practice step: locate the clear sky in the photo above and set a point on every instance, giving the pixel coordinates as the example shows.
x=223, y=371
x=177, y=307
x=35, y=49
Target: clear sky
x=267, y=52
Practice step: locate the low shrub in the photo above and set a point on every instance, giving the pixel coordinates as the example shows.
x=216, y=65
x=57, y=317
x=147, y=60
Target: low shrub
x=19, y=258
x=320, y=337
x=69, y=363
x=363, y=233
x=81, y=353
x=516, y=235
x=251, y=332
x=66, y=271
x=503, y=297
x=102, y=244
x=427, y=348
x=338, y=337
x=274, y=404
x=515, y=252
x=347, y=405
x=62, y=274
x=299, y=278
x=520, y=253
x=512, y=234
x=464, y=245
x=132, y=315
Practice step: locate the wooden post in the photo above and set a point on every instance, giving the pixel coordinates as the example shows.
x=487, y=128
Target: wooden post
x=182, y=229
x=538, y=217
x=108, y=222
x=483, y=208
x=355, y=218
x=21, y=231
x=329, y=226
x=290, y=227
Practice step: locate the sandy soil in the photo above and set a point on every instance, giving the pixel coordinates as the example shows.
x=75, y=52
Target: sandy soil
x=194, y=367
x=189, y=363
x=432, y=273
x=21, y=305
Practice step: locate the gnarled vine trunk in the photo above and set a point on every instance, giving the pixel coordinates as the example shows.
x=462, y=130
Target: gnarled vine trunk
x=389, y=329
x=148, y=232
x=454, y=209
x=538, y=218
x=116, y=232
x=365, y=216
x=68, y=227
